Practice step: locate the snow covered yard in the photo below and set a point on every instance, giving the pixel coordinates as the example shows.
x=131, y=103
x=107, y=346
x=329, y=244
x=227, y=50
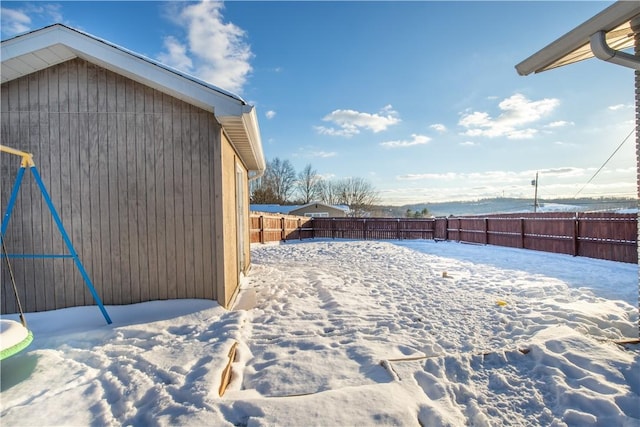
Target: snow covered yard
x=351, y=333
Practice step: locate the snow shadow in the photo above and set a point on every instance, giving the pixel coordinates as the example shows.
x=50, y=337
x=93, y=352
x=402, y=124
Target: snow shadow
x=14, y=370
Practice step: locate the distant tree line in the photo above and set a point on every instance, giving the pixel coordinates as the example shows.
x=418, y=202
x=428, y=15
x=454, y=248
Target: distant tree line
x=424, y=213
x=281, y=184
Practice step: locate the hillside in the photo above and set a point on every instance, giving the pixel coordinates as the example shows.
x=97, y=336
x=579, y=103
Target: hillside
x=508, y=205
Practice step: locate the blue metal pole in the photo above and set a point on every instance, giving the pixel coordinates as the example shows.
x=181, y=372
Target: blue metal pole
x=67, y=241
x=12, y=200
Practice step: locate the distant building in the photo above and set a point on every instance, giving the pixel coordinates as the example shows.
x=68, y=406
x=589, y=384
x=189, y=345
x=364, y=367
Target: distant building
x=314, y=209
x=320, y=210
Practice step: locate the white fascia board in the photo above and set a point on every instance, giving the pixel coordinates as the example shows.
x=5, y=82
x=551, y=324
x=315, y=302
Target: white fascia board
x=244, y=134
x=250, y=120
x=607, y=20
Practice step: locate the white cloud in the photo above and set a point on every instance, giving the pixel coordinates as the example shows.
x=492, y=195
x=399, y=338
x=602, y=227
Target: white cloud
x=322, y=130
x=270, y=114
x=619, y=107
x=438, y=127
x=323, y=154
x=350, y=122
x=16, y=21
x=565, y=144
x=566, y=172
x=517, y=111
x=214, y=51
x=469, y=144
x=415, y=140
x=503, y=177
x=425, y=176
x=559, y=124
x=554, y=182
x=176, y=55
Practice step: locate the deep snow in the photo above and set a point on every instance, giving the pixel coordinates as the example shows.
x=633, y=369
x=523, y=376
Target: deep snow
x=351, y=333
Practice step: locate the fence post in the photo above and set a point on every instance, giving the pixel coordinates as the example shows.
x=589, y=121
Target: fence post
x=283, y=232
x=486, y=231
x=299, y=229
x=399, y=236
x=261, y=225
x=333, y=228
x=446, y=229
x=522, y=233
x=364, y=228
x=576, y=234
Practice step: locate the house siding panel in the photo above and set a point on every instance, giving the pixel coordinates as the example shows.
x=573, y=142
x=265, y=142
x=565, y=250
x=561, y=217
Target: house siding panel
x=229, y=220
x=130, y=171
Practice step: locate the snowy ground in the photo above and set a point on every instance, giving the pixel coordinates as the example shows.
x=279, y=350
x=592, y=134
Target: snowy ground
x=351, y=333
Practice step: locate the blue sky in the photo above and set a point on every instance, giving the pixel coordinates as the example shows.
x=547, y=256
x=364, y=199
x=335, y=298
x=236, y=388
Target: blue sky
x=421, y=98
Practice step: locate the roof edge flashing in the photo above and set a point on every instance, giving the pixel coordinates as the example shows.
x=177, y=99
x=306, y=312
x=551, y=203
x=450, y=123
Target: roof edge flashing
x=601, y=50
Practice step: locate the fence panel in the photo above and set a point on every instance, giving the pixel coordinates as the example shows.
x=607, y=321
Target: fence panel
x=611, y=237
x=505, y=232
x=322, y=228
x=440, y=229
x=453, y=229
x=417, y=228
x=382, y=228
x=473, y=230
x=274, y=228
x=550, y=234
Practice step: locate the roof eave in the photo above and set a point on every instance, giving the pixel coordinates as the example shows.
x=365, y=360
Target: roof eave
x=244, y=134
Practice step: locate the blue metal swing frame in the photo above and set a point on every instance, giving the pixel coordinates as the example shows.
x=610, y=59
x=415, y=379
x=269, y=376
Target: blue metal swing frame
x=27, y=162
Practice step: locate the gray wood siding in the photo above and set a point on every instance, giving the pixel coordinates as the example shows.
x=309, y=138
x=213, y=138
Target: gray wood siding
x=130, y=170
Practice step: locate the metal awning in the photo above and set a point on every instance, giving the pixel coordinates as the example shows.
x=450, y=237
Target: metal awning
x=616, y=23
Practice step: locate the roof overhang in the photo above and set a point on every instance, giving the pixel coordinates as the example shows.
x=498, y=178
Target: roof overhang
x=616, y=24
x=40, y=49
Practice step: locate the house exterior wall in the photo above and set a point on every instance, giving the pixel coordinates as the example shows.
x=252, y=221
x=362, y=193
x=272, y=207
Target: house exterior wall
x=132, y=173
x=247, y=225
x=231, y=227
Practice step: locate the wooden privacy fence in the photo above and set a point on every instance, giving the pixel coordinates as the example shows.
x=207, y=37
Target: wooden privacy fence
x=273, y=228
x=595, y=235
x=374, y=228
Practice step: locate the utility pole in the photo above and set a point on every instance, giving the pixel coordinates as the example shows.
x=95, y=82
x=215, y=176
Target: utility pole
x=535, y=194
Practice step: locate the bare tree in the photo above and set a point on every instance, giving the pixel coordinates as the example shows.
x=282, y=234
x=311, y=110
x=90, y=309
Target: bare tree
x=329, y=192
x=308, y=185
x=358, y=194
x=277, y=183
